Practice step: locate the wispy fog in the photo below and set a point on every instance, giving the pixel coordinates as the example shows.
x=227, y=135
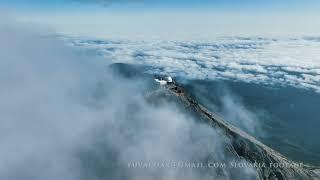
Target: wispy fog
x=64, y=116
x=236, y=112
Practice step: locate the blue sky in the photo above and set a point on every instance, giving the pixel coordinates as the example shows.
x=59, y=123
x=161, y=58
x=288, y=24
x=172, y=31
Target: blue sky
x=186, y=19
x=176, y=4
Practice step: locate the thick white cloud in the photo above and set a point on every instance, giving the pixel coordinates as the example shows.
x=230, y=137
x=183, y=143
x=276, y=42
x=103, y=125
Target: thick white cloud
x=64, y=116
x=280, y=61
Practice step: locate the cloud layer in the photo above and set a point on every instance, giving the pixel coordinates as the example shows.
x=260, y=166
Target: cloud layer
x=293, y=62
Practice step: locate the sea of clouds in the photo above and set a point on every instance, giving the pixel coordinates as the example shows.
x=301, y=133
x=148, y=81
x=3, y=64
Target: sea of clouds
x=268, y=61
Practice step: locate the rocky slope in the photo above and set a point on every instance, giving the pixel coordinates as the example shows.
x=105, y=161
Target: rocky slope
x=270, y=164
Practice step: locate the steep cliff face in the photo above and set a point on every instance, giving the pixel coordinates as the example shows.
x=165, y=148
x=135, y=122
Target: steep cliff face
x=270, y=164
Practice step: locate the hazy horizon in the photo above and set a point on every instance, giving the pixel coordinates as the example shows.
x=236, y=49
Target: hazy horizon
x=171, y=19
